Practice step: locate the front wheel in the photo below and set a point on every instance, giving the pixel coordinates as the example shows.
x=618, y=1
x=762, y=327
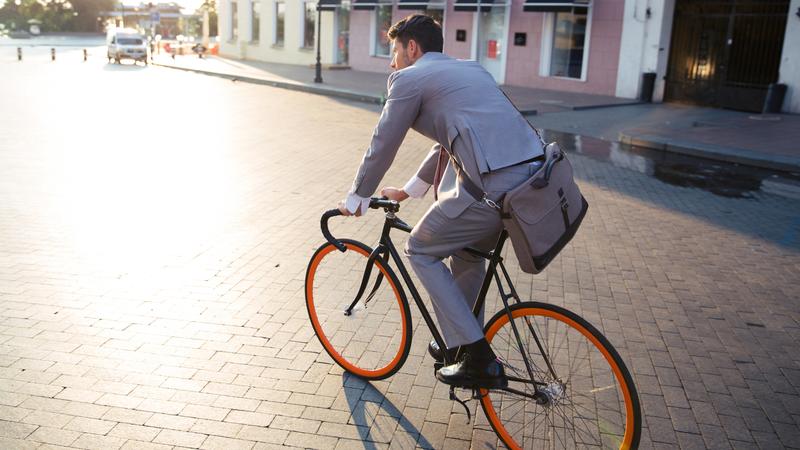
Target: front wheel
x=586, y=398
x=369, y=338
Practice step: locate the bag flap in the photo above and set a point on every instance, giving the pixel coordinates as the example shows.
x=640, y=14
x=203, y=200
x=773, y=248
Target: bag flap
x=530, y=202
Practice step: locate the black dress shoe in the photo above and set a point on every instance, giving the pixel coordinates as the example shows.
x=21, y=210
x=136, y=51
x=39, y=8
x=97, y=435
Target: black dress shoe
x=436, y=352
x=471, y=373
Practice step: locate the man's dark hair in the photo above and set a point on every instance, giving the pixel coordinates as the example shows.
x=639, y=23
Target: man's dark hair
x=425, y=31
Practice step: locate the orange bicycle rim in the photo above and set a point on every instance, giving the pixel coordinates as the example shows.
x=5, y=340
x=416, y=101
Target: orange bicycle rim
x=321, y=334
x=489, y=408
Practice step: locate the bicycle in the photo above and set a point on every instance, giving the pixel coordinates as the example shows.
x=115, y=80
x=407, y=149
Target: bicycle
x=568, y=386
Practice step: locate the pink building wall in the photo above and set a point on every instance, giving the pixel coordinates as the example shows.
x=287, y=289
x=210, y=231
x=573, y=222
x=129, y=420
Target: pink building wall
x=604, y=44
x=457, y=20
x=360, y=37
x=360, y=20
x=522, y=64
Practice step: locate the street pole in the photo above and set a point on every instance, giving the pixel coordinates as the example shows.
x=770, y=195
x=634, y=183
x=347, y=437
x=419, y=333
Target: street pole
x=318, y=68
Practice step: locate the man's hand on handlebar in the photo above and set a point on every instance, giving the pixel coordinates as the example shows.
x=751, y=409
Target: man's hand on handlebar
x=393, y=193
x=345, y=212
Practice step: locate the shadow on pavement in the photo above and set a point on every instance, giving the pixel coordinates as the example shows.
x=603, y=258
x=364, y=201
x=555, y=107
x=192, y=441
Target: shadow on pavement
x=367, y=405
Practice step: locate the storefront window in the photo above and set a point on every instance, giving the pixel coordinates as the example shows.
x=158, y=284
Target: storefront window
x=569, y=36
x=280, y=20
x=309, y=19
x=383, y=21
x=234, y=21
x=256, y=20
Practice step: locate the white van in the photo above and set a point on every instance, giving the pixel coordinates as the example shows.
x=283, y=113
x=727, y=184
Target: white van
x=126, y=43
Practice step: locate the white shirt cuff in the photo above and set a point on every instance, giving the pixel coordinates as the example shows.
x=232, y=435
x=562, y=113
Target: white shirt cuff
x=416, y=188
x=354, y=202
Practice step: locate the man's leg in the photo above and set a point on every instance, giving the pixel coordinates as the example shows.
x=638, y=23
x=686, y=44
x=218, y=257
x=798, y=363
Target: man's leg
x=436, y=237
x=469, y=270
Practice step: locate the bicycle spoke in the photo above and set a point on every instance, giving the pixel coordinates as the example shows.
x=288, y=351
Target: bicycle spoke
x=585, y=406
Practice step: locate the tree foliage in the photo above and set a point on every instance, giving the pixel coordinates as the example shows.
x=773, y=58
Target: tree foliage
x=211, y=6
x=54, y=15
x=88, y=11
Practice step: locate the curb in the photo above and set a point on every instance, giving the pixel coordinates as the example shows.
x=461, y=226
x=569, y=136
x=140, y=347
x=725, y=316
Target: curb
x=609, y=105
x=310, y=88
x=711, y=151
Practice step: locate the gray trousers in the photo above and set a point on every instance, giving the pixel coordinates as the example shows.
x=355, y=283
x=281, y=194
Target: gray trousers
x=453, y=290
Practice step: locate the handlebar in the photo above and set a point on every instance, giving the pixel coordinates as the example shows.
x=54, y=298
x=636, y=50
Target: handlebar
x=325, y=232
x=390, y=206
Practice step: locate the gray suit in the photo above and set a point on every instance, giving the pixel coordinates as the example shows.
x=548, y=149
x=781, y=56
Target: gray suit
x=457, y=104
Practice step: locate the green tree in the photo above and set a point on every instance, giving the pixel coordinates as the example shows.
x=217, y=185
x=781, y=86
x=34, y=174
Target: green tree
x=88, y=11
x=10, y=17
x=211, y=6
x=55, y=15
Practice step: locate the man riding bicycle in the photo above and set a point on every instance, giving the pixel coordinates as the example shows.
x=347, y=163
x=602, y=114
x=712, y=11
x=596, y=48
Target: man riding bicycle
x=479, y=135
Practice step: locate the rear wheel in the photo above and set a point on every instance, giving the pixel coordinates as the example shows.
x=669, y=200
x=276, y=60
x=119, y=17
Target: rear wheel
x=371, y=338
x=588, y=398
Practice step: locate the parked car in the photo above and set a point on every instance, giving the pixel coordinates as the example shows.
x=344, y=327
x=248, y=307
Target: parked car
x=124, y=43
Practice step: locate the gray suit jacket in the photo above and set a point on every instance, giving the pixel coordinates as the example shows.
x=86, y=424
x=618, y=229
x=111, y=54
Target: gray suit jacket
x=457, y=104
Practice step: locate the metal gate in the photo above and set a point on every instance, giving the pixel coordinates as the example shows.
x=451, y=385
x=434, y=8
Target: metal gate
x=724, y=53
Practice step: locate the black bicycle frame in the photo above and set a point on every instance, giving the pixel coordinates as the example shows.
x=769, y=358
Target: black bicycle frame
x=495, y=259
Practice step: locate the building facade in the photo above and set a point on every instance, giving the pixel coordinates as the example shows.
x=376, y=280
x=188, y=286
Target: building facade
x=719, y=53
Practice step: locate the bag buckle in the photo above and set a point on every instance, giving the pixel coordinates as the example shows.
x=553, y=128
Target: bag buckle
x=490, y=202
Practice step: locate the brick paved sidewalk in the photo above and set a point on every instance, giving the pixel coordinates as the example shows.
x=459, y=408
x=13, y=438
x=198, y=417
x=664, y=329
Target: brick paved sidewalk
x=151, y=296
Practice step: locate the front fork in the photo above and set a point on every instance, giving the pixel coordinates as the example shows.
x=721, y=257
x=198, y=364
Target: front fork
x=380, y=252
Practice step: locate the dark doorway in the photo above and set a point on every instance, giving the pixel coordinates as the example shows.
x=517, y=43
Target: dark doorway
x=725, y=53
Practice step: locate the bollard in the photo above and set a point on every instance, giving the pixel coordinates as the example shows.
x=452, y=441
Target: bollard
x=19, y=53
x=52, y=54
x=85, y=55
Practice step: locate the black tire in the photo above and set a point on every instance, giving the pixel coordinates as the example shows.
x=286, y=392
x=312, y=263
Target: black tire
x=597, y=383
x=373, y=341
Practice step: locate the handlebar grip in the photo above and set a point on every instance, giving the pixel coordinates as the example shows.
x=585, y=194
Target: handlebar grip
x=325, y=232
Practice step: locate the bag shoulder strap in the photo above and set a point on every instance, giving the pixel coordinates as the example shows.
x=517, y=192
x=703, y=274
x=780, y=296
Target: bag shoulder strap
x=544, y=144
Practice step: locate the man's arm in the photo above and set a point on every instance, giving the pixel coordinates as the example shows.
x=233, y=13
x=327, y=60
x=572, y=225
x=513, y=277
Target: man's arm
x=419, y=184
x=399, y=112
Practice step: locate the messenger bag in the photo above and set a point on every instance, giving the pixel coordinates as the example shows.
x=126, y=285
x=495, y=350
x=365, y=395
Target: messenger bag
x=540, y=215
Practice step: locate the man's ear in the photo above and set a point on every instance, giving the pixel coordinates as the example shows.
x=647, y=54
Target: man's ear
x=412, y=48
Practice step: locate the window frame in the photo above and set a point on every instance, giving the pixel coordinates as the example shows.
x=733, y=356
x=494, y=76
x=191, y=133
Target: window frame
x=546, y=52
x=373, y=46
x=234, y=20
x=304, y=9
x=255, y=17
x=275, y=42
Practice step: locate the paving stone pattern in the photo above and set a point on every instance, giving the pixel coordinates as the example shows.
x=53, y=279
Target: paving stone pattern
x=151, y=284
